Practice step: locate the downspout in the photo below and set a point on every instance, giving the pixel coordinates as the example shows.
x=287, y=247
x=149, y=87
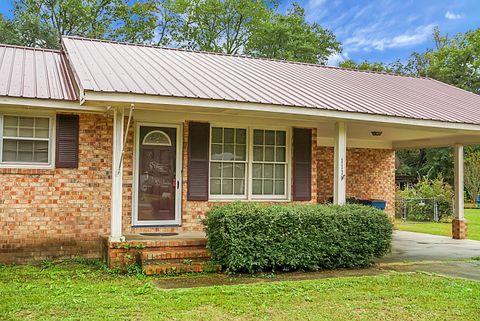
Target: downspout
x=125, y=136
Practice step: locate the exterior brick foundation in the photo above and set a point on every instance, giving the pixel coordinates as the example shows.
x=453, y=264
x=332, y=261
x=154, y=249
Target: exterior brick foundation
x=459, y=229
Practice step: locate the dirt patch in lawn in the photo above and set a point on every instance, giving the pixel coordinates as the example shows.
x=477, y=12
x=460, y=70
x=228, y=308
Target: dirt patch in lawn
x=205, y=280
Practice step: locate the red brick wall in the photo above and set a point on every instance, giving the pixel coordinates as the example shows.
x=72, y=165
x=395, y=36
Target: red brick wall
x=65, y=212
x=59, y=212
x=370, y=174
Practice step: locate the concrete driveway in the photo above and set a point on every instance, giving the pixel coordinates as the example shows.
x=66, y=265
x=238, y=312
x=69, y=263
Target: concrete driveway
x=413, y=252
x=410, y=246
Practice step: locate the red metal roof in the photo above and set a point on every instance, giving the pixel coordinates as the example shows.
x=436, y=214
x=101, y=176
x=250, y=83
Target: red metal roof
x=34, y=73
x=104, y=66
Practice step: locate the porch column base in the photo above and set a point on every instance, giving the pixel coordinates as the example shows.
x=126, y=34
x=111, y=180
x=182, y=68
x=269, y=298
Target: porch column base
x=116, y=239
x=459, y=229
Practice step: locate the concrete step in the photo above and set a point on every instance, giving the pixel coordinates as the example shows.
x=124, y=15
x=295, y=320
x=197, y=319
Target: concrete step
x=158, y=269
x=162, y=255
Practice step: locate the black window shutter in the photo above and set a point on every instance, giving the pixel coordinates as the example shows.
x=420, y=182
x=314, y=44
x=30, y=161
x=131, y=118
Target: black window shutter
x=198, y=149
x=66, y=152
x=302, y=164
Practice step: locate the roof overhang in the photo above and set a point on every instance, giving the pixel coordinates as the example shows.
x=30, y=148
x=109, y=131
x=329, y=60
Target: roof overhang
x=48, y=104
x=90, y=98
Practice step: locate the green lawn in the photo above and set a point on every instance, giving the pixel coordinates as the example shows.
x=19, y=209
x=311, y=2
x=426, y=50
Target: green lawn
x=472, y=216
x=81, y=292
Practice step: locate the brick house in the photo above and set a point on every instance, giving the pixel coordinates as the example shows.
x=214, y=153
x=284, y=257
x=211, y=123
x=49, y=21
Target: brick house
x=110, y=140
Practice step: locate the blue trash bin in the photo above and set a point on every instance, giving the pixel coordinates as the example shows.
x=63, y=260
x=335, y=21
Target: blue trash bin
x=478, y=201
x=380, y=204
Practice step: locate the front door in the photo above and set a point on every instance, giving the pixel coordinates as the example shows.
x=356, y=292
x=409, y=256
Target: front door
x=157, y=181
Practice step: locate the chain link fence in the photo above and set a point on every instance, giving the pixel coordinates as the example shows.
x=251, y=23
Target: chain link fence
x=423, y=209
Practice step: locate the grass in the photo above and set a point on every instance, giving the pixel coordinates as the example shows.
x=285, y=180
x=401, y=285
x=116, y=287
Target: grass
x=79, y=291
x=472, y=216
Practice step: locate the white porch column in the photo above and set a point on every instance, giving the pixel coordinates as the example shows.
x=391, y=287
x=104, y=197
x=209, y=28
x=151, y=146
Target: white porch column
x=117, y=179
x=340, y=164
x=458, y=154
x=459, y=224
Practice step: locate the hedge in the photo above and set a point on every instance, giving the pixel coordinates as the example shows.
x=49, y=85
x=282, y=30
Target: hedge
x=254, y=237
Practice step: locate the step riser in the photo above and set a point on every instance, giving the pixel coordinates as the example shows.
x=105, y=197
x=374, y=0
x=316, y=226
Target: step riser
x=181, y=268
x=175, y=255
x=173, y=248
x=176, y=261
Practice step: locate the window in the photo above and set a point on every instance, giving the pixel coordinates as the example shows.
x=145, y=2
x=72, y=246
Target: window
x=269, y=162
x=157, y=137
x=25, y=140
x=230, y=163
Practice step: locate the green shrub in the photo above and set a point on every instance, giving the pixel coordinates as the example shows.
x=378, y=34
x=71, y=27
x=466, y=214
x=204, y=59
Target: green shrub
x=256, y=237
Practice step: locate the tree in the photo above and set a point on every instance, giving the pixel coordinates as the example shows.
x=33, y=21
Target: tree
x=56, y=18
x=472, y=175
x=137, y=22
x=216, y=25
x=290, y=37
x=456, y=60
x=365, y=65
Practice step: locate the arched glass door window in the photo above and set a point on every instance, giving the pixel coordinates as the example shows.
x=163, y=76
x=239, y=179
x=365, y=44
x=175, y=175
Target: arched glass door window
x=158, y=138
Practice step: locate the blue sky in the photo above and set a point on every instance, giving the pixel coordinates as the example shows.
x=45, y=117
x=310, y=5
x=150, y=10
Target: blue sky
x=384, y=30
x=381, y=30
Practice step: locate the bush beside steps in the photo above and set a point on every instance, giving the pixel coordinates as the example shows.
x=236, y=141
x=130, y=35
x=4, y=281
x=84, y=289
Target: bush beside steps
x=252, y=237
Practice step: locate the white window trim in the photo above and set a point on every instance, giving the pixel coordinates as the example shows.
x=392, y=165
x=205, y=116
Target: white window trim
x=249, y=153
x=178, y=173
x=51, y=142
x=229, y=197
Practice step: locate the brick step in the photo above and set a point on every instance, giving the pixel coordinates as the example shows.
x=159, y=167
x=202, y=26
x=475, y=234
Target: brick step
x=185, y=261
x=202, y=242
x=172, y=248
x=158, y=269
x=149, y=255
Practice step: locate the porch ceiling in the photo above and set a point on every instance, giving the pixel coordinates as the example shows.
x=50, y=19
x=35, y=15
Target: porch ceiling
x=359, y=133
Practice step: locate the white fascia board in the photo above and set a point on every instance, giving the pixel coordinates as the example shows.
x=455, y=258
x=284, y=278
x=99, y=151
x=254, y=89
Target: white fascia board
x=33, y=103
x=127, y=99
x=437, y=142
x=356, y=143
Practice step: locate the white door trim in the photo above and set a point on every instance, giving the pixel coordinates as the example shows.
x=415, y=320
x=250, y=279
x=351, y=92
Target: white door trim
x=178, y=174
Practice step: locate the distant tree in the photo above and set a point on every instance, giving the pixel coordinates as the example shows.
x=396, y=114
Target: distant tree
x=364, y=65
x=291, y=37
x=472, y=175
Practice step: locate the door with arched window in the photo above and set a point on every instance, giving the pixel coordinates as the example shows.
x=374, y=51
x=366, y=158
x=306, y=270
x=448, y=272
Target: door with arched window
x=157, y=182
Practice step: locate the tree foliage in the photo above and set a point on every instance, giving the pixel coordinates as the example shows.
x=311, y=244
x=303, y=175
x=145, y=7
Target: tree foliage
x=472, y=175
x=456, y=60
x=216, y=25
x=229, y=26
x=290, y=37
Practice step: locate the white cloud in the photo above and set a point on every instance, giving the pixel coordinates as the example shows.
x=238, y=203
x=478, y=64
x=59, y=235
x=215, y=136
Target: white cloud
x=452, y=16
x=336, y=58
x=315, y=9
x=366, y=40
